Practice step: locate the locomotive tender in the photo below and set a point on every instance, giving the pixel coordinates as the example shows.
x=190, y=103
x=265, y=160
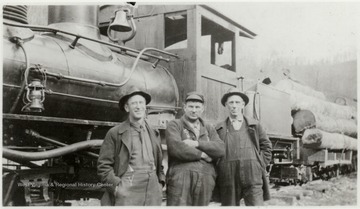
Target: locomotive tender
x=62, y=82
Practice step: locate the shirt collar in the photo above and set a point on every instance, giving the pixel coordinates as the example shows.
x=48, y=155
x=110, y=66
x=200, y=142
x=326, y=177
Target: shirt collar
x=137, y=125
x=193, y=125
x=232, y=120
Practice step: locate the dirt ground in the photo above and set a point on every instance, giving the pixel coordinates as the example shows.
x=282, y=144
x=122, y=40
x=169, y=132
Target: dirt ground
x=337, y=191
x=334, y=192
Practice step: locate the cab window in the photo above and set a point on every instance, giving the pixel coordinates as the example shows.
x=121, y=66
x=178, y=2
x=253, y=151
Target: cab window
x=217, y=44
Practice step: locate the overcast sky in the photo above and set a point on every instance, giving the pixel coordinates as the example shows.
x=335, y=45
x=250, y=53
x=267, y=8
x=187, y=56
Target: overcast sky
x=296, y=29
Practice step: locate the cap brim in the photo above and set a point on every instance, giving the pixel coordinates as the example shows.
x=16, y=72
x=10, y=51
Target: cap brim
x=125, y=98
x=227, y=95
x=194, y=100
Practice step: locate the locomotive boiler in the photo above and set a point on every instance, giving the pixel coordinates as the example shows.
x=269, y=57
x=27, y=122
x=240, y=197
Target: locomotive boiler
x=61, y=87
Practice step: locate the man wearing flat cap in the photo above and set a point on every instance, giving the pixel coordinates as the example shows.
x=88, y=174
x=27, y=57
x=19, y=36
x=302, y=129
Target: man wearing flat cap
x=193, y=148
x=130, y=157
x=241, y=172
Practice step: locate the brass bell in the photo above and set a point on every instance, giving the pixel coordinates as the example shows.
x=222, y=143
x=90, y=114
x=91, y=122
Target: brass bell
x=120, y=22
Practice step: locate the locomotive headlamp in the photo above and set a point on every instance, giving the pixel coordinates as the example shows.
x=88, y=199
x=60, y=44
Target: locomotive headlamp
x=35, y=95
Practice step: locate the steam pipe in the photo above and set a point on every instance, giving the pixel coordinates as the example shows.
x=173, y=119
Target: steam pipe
x=52, y=141
x=135, y=63
x=36, y=156
x=54, y=30
x=19, y=42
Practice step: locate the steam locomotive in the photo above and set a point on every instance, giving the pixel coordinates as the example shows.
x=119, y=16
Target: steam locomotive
x=62, y=81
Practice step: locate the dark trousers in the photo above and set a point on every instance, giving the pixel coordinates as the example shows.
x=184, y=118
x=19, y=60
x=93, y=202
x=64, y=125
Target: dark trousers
x=139, y=188
x=253, y=196
x=236, y=182
x=189, y=188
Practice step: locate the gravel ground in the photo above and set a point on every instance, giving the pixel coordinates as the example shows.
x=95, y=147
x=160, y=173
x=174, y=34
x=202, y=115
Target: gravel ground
x=334, y=192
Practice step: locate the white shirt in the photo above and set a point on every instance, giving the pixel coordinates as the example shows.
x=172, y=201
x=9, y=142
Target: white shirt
x=236, y=123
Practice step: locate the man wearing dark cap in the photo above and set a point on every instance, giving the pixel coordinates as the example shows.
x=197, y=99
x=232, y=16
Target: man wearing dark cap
x=130, y=157
x=193, y=147
x=241, y=172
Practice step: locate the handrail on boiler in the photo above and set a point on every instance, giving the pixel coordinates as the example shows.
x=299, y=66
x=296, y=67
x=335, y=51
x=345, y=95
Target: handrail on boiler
x=77, y=37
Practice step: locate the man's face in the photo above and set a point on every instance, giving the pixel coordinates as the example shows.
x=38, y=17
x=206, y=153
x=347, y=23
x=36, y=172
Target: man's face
x=136, y=107
x=235, y=104
x=193, y=109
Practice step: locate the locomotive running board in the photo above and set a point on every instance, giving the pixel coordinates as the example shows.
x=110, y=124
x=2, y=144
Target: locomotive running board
x=58, y=120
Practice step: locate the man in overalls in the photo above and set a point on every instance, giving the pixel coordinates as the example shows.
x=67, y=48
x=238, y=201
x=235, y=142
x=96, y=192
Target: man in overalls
x=130, y=157
x=193, y=147
x=241, y=172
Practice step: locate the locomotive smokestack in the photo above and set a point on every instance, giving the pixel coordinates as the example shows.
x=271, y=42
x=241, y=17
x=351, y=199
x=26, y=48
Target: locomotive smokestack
x=81, y=19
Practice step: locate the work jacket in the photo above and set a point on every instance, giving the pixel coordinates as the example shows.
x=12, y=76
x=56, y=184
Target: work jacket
x=260, y=141
x=182, y=156
x=115, y=154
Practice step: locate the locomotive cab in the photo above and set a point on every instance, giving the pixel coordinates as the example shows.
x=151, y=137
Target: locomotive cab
x=206, y=41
